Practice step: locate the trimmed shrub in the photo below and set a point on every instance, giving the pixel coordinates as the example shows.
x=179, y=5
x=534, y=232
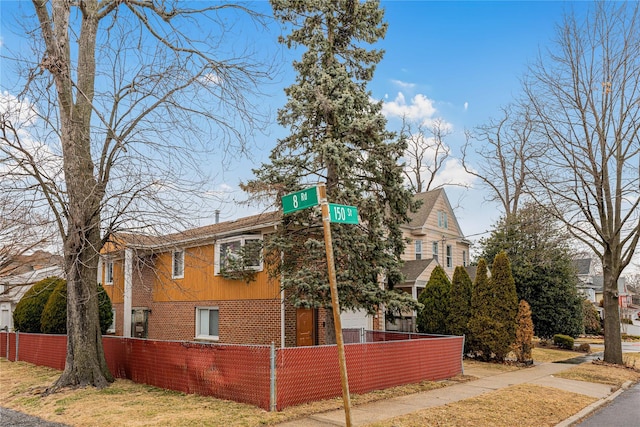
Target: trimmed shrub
x=434, y=297
x=28, y=311
x=563, y=341
x=105, y=309
x=54, y=315
x=584, y=348
x=524, y=334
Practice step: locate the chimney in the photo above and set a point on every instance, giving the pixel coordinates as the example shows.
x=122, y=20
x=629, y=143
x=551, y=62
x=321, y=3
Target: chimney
x=217, y=215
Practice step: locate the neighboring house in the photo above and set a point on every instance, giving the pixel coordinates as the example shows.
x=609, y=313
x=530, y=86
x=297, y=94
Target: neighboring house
x=585, y=271
x=20, y=275
x=435, y=239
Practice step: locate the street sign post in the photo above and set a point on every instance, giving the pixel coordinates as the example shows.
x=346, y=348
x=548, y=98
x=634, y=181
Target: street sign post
x=343, y=214
x=299, y=200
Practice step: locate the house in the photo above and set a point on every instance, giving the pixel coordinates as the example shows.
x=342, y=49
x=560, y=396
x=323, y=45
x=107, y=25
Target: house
x=175, y=287
x=18, y=277
x=435, y=239
x=585, y=271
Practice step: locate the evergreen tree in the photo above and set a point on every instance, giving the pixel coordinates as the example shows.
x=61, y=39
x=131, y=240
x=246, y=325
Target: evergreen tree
x=434, y=315
x=542, y=268
x=494, y=303
x=337, y=136
x=523, y=346
x=460, y=303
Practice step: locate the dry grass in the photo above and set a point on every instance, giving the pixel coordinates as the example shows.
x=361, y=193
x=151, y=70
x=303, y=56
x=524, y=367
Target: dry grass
x=545, y=354
x=21, y=385
x=521, y=405
x=603, y=373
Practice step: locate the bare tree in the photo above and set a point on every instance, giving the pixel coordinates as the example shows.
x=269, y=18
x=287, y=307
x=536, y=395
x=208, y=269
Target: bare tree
x=426, y=153
x=111, y=124
x=506, y=146
x=585, y=95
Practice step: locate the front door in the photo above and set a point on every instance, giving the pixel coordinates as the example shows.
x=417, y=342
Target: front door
x=305, y=327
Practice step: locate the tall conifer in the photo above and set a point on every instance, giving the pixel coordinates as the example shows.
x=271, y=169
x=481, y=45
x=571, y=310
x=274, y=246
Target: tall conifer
x=337, y=136
x=460, y=303
x=435, y=299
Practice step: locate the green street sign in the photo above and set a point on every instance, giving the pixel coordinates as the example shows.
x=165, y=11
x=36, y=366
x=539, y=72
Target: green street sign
x=343, y=214
x=299, y=200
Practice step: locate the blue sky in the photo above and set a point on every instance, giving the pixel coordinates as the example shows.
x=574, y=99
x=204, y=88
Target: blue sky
x=458, y=61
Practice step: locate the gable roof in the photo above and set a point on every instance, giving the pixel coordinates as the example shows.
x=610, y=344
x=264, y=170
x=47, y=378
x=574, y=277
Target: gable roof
x=418, y=219
x=414, y=268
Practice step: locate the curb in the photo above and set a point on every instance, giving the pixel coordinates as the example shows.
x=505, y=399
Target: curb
x=594, y=406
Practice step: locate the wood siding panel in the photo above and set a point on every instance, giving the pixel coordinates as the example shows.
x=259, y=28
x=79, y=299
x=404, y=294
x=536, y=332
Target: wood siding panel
x=200, y=283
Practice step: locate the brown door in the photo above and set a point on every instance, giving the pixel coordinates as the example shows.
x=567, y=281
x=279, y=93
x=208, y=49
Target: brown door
x=305, y=330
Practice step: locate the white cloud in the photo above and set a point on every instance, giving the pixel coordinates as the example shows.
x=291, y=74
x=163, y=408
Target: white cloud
x=454, y=174
x=466, y=106
x=403, y=85
x=419, y=109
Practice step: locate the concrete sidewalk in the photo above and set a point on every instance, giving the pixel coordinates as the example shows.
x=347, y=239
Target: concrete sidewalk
x=542, y=374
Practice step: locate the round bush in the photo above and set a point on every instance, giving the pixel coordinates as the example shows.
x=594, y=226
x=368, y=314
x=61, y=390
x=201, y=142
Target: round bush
x=28, y=311
x=54, y=315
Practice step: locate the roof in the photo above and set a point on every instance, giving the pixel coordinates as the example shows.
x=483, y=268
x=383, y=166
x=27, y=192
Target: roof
x=199, y=234
x=32, y=276
x=413, y=269
x=582, y=266
x=429, y=198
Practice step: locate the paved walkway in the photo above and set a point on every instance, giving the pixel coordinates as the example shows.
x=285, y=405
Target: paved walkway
x=488, y=380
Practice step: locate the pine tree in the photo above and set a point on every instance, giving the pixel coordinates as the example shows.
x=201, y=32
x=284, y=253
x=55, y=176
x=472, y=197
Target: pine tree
x=460, y=303
x=338, y=137
x=523, y=346
x=481, y=324
x=435, y=299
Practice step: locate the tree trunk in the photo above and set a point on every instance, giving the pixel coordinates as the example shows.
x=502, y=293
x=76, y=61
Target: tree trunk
x=612, y=336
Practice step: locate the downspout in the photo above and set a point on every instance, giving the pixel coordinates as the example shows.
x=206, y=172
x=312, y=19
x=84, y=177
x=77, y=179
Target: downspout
x=128, y=292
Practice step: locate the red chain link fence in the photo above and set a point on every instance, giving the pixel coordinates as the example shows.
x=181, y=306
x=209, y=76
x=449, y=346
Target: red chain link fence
x=270, y=378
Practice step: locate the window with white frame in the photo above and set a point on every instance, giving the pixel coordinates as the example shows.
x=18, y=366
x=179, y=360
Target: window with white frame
x=418, y=247
x=108, y=273
x=449, y=256
x=177, y=264
x=207, y=323
x=443, y=220
x=230, y=249
x=434, y=250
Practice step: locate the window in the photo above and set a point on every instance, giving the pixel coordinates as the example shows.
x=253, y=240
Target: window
x=449, y=256
x=443, y=220
x=418, y=245
x=464, y=258
x=112, y=327
x=434, y=248
x=177, y=264
x=207, y=323
x=108, y=273
x=228, y=250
